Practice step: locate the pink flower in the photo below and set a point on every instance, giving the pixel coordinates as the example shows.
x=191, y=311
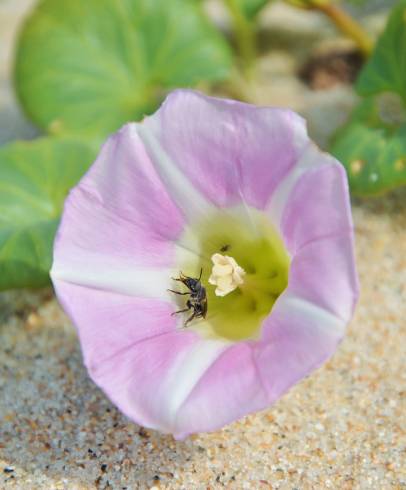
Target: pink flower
x=199, y=177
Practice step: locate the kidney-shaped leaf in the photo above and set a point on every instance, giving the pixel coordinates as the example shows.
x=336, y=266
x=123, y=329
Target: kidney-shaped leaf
x=89, y=66
x=35, y=178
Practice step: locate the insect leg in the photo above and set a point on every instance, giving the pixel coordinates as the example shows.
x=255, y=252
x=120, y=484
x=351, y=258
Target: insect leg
x=190, y=318
x=177, y=292
x=181, y=277
x=180, y=311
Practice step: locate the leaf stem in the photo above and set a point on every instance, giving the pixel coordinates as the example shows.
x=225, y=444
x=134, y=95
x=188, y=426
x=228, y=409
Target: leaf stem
x=347, y=24
x=343, y=21
x=245, y=38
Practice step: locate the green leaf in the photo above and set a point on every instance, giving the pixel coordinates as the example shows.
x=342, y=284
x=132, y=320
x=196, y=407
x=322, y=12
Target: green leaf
x=89, y=66
x=386, y=69
x=35, y=178
x=372, y=147
x=251, y=8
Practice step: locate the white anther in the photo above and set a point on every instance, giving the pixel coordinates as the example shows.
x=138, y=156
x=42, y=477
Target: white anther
x=226, y=274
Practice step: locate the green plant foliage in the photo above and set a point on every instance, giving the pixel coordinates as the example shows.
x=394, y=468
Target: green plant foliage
x=35, y=178
x=89, y=66
x=307, y=4
x=251, y=8
x=372, y=147
x=386, y=69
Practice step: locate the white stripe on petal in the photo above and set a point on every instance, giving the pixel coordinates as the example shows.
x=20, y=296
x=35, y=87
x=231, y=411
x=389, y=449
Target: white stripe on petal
x=312, y=314
x=188, y=370
x=188, y=198
x=118, y=277
x=312, y=157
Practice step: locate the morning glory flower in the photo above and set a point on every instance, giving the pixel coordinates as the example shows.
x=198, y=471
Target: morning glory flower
x=233, y=206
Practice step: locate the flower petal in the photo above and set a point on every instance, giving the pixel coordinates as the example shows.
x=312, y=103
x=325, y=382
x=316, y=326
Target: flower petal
x=138, y=380
x=229, y=151
x=119, y=224
x=124, y=180
x=193, y=205
x=311, y=207
x=110, y=323
x=230, y=389
x=297, y=337
x=313, y=201
x=331, y=259
x=149, y=382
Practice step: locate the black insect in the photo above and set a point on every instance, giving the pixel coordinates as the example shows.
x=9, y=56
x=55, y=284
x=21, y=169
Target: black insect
x=224, y=248
x=197, y=300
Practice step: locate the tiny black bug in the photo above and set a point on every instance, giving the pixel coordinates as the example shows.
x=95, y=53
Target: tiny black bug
x=197, y=300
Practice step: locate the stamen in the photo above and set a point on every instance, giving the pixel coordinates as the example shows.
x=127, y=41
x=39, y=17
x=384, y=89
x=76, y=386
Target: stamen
x=226, y=274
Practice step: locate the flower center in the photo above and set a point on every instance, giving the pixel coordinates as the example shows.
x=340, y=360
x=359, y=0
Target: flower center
x=250, y=271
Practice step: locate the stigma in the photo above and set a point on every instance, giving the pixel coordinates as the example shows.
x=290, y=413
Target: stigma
x=226, y=274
